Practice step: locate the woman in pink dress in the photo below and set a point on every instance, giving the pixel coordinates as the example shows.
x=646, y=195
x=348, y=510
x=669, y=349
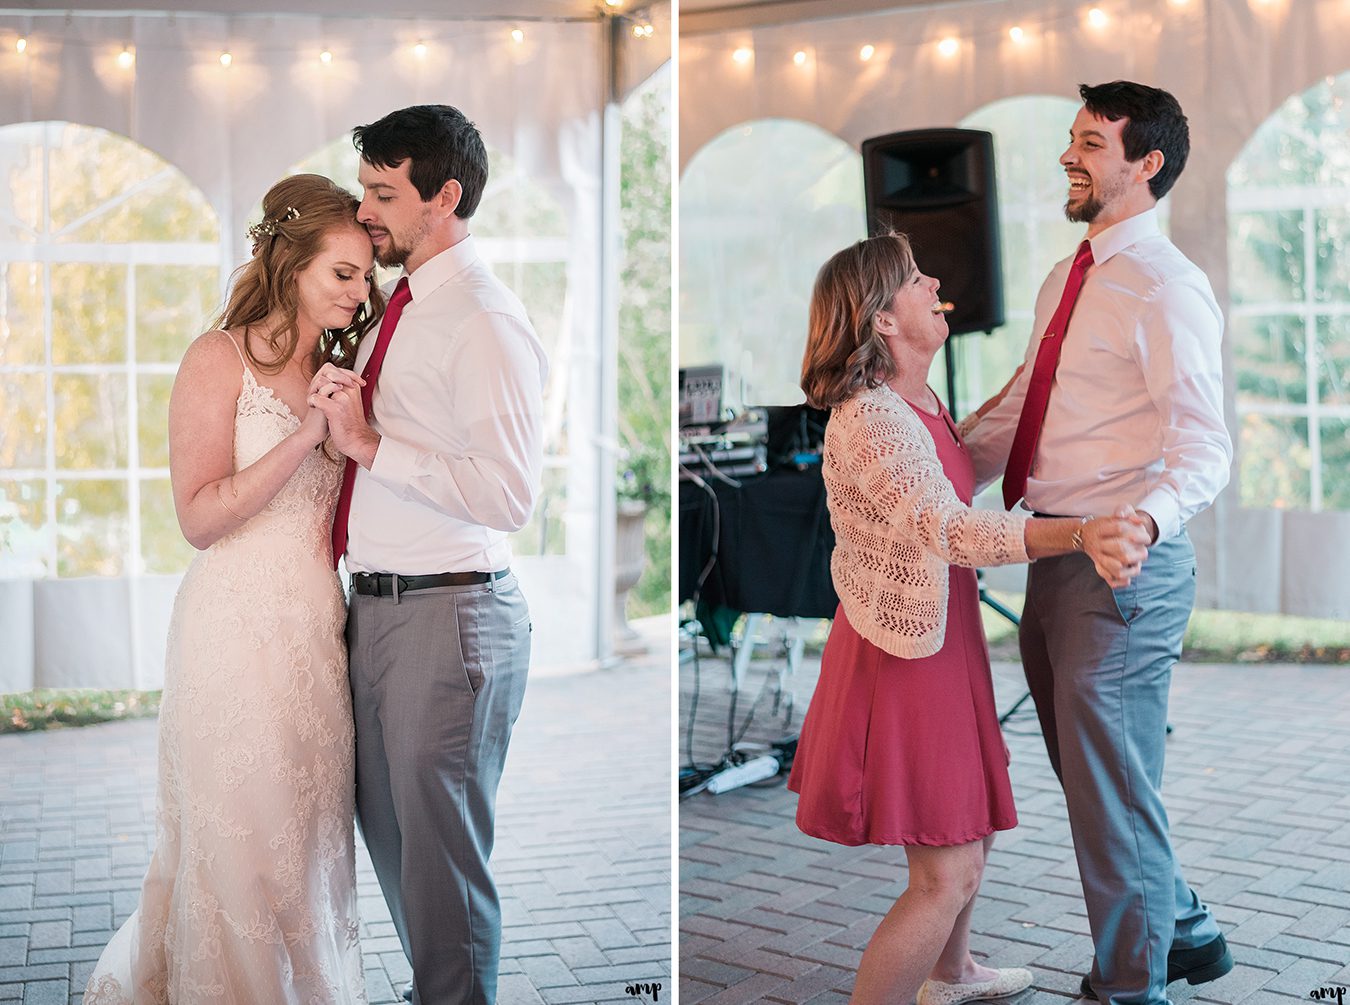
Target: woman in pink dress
x=901, y=744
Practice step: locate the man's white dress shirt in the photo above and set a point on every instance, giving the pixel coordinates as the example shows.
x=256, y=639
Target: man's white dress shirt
x=1136, y=409
x=459, y=409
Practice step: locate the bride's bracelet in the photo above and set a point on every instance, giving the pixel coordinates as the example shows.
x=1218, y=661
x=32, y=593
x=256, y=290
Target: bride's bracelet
x=222, y=502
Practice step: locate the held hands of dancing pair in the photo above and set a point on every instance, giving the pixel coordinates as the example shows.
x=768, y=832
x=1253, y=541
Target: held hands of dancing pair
x=1117, y=544
x=335, y=398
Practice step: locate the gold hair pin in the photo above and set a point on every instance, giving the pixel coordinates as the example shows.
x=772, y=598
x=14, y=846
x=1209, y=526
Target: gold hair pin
x=268, y=228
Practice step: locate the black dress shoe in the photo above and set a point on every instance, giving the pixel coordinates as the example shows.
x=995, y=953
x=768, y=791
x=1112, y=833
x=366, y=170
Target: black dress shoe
x=407, y=991
x=1199, y=965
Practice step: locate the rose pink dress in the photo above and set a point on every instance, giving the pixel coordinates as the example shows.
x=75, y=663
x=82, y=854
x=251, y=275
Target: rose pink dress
x=907, y=751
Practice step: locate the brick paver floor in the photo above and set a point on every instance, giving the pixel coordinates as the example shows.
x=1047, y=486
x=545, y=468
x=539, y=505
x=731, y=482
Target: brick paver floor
x=582, y=857
x=1256, y=788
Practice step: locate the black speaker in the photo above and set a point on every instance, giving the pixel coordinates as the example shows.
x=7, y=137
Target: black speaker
x=937, y=186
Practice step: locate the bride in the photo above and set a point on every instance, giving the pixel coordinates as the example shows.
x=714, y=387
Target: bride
x=251, y=892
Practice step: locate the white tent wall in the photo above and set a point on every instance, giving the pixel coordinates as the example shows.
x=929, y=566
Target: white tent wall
x=233, y=132
x=1231, y=63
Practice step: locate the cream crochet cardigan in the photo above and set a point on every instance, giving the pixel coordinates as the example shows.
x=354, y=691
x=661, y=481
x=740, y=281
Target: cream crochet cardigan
x=898, y=524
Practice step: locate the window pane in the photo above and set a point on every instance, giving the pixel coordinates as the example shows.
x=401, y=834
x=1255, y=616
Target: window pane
x=92, y=531
x=1333, y=360
x=22, y=339
x=163, y=548
x=23, y=530
x=761, y=208
x=1331, y=230
x=174, y=304
x=1275, y=462
x=1270, y=354
x=21, y=193
x=91, y=421
x=514, y=205
x=23, y=433
x=106, y=189
x=1265, y=256
x=89, y=313
x=152, y=404
x=1335, y=464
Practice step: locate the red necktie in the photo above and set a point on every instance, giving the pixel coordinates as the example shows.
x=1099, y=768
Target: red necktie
x=1042, y=376
x=371, y=373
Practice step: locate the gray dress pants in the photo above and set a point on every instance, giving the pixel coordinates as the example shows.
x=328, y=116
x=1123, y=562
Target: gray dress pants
x=438, y=677
x=1099, y=665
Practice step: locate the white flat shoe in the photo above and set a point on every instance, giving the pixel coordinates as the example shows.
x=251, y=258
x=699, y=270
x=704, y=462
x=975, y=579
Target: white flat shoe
x=1008, y=982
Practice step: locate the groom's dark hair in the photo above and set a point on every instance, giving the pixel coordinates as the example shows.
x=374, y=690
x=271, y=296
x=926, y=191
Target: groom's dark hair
x=441, y=143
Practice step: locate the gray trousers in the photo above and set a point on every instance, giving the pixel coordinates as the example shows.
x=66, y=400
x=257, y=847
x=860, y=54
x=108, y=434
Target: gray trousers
x=438, y=677
x=1099, y=665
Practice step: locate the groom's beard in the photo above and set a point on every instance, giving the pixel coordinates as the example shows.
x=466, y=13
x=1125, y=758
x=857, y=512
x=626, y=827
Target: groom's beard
x=1089, y=210
x=395, y=253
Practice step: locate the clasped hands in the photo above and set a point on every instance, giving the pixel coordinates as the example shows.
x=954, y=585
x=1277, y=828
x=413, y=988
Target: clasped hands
x=1118, y=544
x=335, y=394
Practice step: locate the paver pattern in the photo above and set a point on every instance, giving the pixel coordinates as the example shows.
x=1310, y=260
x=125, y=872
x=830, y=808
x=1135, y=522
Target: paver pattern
x=582, y=857
x=1257, y=792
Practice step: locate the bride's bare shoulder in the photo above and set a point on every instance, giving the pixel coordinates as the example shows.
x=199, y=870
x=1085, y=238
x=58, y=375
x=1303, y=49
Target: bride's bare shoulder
x=213, y=359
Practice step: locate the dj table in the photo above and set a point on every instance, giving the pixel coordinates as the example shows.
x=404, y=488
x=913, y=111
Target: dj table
x=773, y=552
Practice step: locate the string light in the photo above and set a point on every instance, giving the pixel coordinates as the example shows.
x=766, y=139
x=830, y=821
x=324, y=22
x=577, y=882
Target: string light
x=1097, y=17
x=517, y=36
x=226, y=59
x=21, y=44
x=643, y=31
x=743, y=55
x=948, y=46
x=126, y=59
x=1017, y=34
x=326, y=57
x=867, y=52
x=799, y=57
x=420, y=49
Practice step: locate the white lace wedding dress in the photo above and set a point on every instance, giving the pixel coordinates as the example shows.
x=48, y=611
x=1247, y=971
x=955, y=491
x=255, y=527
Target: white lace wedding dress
x=251, y=893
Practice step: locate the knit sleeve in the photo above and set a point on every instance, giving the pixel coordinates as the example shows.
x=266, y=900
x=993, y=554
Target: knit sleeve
x=895, y=463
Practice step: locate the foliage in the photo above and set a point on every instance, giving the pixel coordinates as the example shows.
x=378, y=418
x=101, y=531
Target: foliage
x=28, y=711
x=644, y=328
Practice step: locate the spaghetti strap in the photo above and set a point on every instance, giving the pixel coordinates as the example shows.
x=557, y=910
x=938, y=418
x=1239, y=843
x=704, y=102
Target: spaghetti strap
x=238, y=350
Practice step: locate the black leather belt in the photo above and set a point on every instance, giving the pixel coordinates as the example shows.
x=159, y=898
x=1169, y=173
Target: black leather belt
x=385, y=584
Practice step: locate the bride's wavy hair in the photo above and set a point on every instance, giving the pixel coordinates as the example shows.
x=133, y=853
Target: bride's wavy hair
x=844, y=352
x=299, y=212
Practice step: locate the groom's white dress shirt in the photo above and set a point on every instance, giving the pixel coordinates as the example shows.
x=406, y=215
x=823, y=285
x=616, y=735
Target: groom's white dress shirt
x=459, y=410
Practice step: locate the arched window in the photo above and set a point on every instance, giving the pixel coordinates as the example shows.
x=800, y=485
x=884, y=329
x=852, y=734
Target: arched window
x=521, y=231
x=1289, y=324
x=109, y=266
x=761, y=208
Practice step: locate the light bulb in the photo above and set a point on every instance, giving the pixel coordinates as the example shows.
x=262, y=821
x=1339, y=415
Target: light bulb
x=325, y=57
x=21, y=44
x=948, y=47
x=126, y=59
x=517, y=36
x=743, y=55
x=226, y=59
x=1097, y=17
x=867, y=52
x=799, y=57
x=420, y=50
x=1017, y=34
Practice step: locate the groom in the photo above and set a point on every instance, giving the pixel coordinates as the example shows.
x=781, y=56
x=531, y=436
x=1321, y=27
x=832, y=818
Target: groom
x=1121, y=401
x=444, y=456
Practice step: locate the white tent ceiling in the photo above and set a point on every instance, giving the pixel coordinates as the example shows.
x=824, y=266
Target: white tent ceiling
x=699, y=16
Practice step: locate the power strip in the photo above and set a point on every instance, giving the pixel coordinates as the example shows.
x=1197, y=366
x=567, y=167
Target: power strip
x=754, y=770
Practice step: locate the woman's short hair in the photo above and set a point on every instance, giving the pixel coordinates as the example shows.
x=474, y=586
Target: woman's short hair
x=844, y=353
x=299, y=213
